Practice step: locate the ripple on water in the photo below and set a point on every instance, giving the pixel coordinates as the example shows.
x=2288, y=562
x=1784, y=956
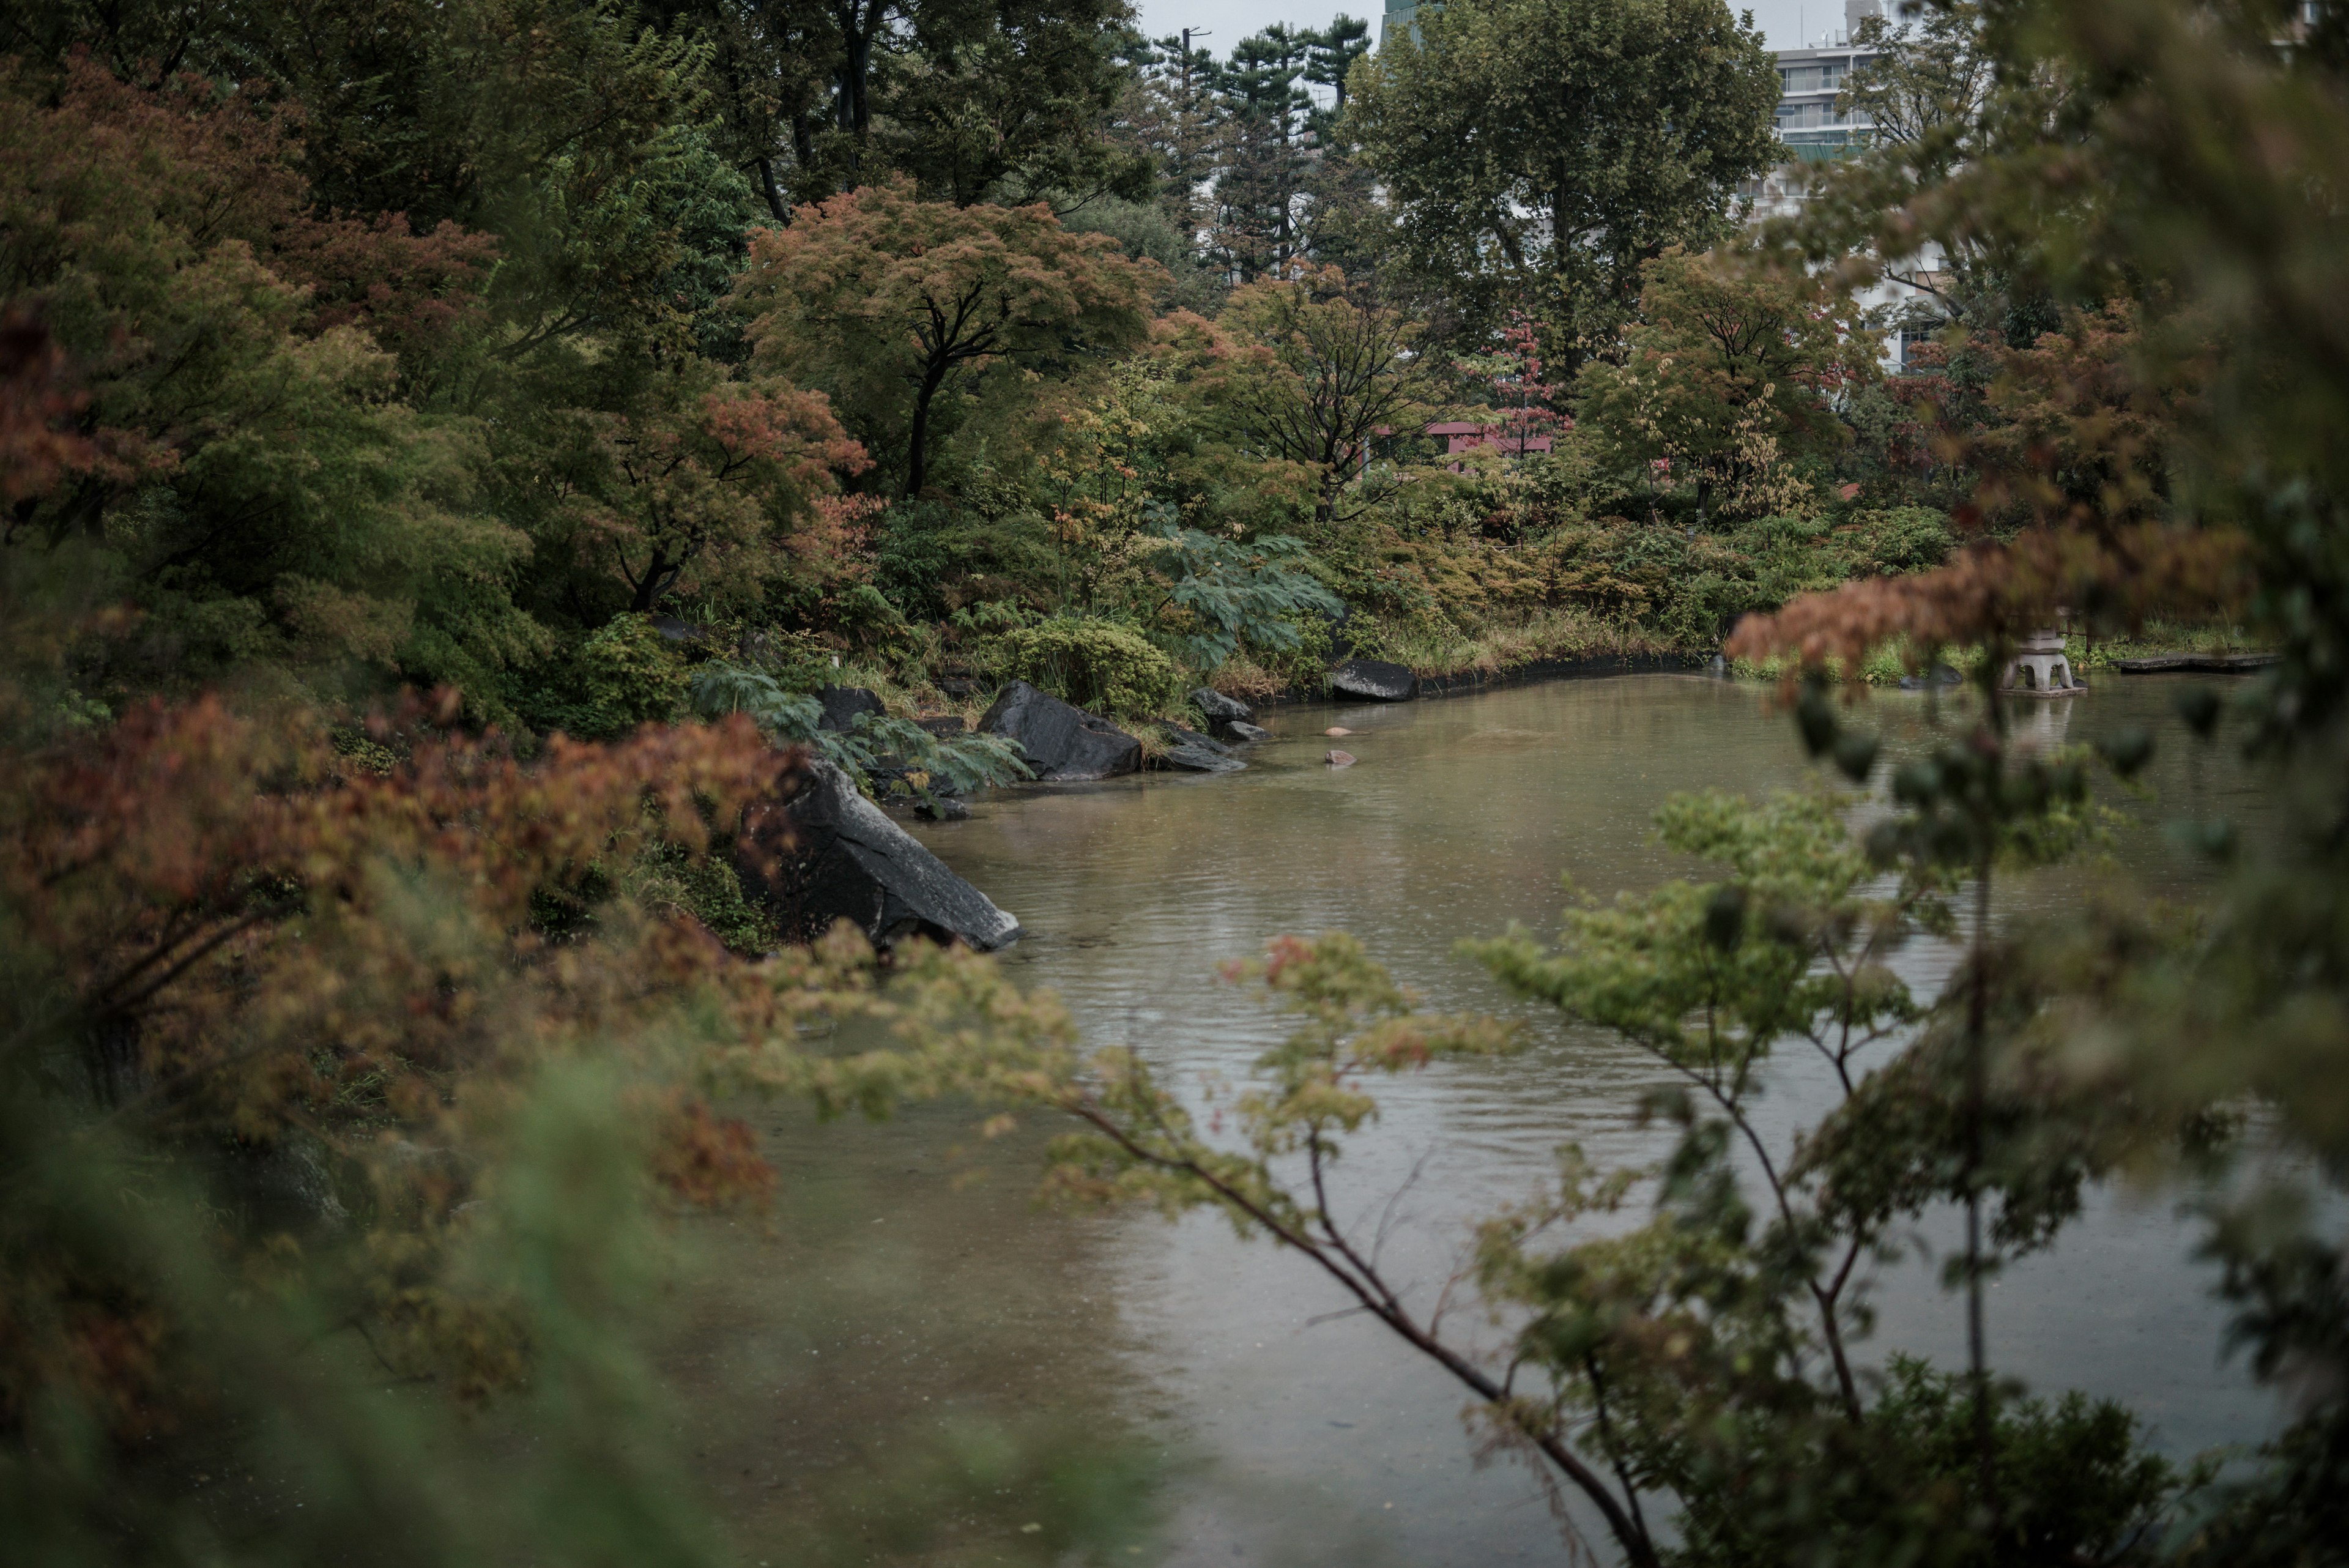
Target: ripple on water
x=1322, y=1442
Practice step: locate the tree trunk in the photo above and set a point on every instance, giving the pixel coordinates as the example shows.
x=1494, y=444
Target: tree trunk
x=917, y=454
x=857, y=23
x=776, y=205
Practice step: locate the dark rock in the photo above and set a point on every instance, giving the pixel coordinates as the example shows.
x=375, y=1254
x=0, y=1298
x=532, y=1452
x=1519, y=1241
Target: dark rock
x=1182, y=737
x=842, y=704
x=944, y=724
x=1374, y=679
x=1216, y=706
x=1190, y=759
x=1940, y=675
x=827, y=854
x=958, y=686
x=942, y=808
x=1196, y=753
x=1227, y=716
x=1061, y=743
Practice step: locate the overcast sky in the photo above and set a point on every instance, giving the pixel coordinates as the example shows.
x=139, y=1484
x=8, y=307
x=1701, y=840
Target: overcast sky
x=1229, y=21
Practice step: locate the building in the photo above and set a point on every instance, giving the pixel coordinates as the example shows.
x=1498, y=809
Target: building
x=1810, y=78
x=1398, y=18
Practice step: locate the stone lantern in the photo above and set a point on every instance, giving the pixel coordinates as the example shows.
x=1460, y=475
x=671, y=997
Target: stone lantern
x=2041, y=667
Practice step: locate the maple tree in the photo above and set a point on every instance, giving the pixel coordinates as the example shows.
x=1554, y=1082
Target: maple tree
x=884, y=300
x=1727, y=377
x=1320, y=368
x=719, y=493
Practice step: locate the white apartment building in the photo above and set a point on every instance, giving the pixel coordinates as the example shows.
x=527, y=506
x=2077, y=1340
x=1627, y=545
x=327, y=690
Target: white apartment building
x=1814, y=132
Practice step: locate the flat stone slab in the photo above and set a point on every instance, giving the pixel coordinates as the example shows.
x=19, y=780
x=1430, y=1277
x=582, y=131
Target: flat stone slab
x=835, y=856
x=1376, y=680
x=1190, y=759
x=2217, y=663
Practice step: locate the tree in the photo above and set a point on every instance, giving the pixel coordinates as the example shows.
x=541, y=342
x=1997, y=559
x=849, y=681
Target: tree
x=1321, y=372
x=884, y=300
x=1935, y=101
x=2233, y=251
x=1704, y=1360
x=1727, y=375
x=972, y=98
x=1331, y=55
x=714, y=491
x=1539, y=152
x=1012, y=99
x=1262, y=175
x=265, y=496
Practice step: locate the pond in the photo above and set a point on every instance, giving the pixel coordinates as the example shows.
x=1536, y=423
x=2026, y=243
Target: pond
x=893, y=1298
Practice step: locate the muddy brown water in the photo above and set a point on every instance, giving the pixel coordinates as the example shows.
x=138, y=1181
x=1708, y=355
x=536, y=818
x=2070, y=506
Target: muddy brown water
x=908, y=1293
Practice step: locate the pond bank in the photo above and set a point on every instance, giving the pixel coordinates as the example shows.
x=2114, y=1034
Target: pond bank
x=1311, y=1440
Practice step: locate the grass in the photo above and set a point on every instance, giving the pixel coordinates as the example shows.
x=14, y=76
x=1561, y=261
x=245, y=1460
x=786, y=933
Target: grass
x=2160, y=637
x=1886, y=665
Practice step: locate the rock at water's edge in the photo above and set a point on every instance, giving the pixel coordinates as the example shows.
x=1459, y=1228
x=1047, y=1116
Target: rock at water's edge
x=1374, y=679
x=1060, y=742
x=1235, y=728
x=1182, y=737
x=842, y=704
x=1218, y=707
x=1191, y=759
x=1193, y=753
x=835, y=856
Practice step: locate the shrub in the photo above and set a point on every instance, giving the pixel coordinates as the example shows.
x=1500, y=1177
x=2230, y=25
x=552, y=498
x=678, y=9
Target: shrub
x=1905, y=538
x=629, y=675
x=1096, y=664
x=1228, y=593
x=877, y=753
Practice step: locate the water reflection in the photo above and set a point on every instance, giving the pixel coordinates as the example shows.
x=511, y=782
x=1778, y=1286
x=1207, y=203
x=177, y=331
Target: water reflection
x=1317, y=1438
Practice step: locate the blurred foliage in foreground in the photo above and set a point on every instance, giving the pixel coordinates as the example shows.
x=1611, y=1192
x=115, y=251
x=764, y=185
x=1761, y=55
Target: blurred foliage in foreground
x=350, y=1080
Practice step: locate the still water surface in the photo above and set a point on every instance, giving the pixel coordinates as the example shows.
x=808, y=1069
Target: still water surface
x=893, y=1296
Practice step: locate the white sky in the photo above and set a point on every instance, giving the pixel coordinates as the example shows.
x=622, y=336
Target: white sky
x=1229, y=21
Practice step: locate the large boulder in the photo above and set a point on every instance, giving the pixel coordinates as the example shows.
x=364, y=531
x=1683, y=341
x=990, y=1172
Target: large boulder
x=1061, y=742
x=1374, y=679
x=826, y=854
x=842, y=704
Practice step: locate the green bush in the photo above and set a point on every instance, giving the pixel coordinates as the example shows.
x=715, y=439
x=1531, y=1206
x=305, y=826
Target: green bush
x=1905, y=539
x=878, y=752
x=1096, y=664
x=629, y=675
